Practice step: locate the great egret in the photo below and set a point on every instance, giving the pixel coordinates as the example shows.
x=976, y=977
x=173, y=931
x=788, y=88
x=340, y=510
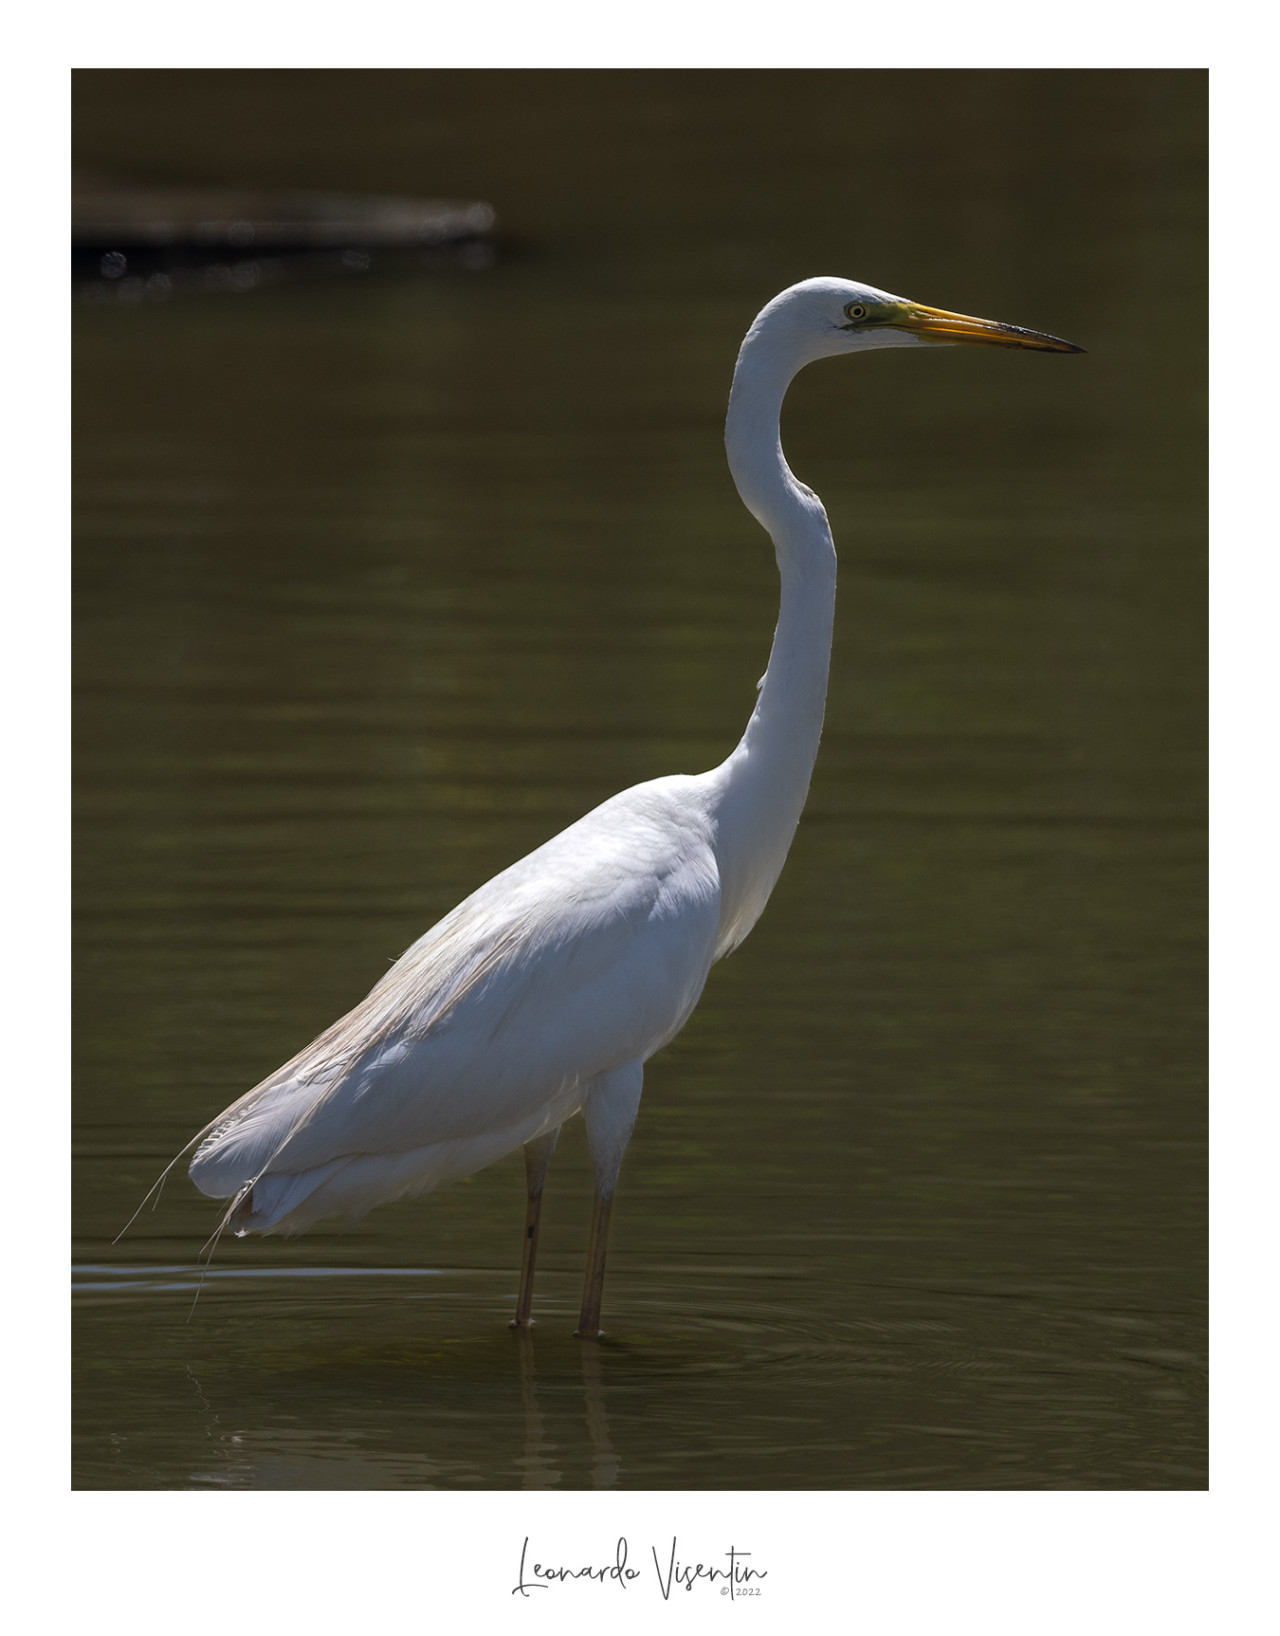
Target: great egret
x=546, y=991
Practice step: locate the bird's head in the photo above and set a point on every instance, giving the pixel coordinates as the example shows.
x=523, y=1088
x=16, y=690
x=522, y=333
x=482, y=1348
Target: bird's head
x=824, y=317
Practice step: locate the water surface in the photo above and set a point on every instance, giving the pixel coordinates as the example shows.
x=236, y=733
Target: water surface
x=381, y=583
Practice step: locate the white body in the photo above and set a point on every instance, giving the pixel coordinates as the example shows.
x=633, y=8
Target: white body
x=543, y=993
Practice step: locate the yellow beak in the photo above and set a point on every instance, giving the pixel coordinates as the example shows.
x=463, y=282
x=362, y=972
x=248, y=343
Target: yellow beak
x=932, y=324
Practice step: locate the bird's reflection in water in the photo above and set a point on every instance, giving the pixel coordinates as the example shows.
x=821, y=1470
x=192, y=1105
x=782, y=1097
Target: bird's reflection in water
x=605, y=1465
x=539, y=1450
x=538, y=1447
x=241, y=1442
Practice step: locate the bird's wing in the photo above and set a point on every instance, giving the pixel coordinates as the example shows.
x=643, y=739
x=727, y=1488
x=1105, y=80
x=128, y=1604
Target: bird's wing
x=588, y=953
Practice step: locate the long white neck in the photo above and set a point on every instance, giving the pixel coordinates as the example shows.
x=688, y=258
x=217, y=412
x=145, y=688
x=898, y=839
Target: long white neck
x=761, y=788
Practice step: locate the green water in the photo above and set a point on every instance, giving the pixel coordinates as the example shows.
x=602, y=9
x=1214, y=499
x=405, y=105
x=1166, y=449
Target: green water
x=383, y=581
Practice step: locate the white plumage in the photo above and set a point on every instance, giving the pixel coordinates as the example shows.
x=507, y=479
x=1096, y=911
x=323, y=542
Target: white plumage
x=544, y=993
x=588, y=954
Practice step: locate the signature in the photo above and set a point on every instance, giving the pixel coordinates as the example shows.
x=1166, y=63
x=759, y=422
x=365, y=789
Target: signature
x=735, y=1579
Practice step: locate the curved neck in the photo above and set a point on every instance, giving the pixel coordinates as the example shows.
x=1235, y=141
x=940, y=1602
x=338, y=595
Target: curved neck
x=765, y=781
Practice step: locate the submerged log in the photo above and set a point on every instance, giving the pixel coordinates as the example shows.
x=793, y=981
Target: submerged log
x=107, y=216
x=136, y=243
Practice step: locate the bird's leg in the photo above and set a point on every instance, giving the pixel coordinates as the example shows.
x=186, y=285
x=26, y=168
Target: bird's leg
x=537, y=1156
x=610, y=1112
x=593, y=1286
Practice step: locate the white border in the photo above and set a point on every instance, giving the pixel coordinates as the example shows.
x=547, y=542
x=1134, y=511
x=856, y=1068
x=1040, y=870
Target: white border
x=900, y=1562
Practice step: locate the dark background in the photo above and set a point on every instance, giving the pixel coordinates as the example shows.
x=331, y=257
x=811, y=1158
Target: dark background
x=382, y=580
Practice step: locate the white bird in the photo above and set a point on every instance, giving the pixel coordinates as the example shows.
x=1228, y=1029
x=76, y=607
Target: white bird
x=546, y=991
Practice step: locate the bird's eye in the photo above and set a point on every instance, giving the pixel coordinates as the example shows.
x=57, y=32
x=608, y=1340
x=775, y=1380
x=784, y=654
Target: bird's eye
x=855, y=310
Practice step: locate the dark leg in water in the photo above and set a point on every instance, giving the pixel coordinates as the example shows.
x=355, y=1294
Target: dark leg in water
x=610, y=1112
x=537, y=1156
x=593, y=1287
